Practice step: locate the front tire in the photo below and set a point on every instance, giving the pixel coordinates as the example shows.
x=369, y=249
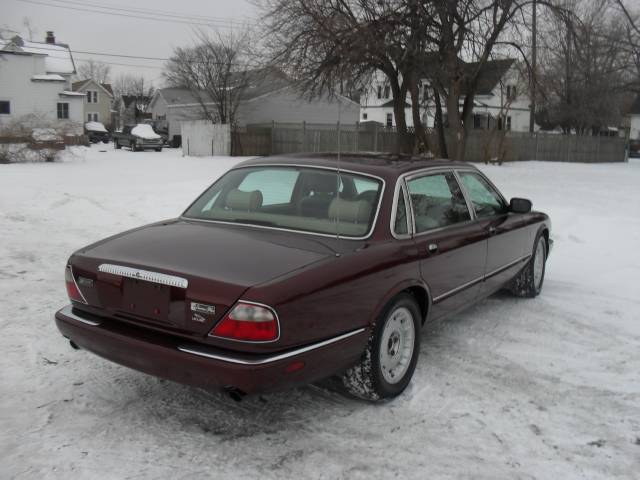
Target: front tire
x=388, y=363
x=528, y=283
x=116, y=145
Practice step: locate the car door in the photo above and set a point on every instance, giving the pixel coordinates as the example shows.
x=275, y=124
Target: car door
x=503, y=229
x=451, y=247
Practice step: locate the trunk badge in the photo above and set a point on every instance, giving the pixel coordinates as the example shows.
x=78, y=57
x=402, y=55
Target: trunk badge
x=203, y=308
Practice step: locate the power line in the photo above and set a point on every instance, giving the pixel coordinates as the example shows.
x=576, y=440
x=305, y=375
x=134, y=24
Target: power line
x=130, y=15
x=154, y=12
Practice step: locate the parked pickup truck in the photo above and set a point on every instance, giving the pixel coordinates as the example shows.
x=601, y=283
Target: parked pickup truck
x=138, y=137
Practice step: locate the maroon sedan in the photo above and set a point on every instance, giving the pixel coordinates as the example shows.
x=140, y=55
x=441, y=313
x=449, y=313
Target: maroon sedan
x=291, y=269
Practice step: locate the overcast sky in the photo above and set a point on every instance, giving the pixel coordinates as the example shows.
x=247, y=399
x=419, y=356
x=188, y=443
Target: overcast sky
x=123, y=34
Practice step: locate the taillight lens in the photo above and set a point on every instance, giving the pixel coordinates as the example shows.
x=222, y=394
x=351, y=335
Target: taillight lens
x=248, y=322
x=72, y=287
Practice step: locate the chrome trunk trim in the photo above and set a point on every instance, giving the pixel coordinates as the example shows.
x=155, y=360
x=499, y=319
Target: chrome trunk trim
x=202, y=351
x=146, y=275
x=68, y=312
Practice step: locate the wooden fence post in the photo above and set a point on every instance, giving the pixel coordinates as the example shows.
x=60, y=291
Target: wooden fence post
x=273, y=137
x=304, y=136
x=375, y=137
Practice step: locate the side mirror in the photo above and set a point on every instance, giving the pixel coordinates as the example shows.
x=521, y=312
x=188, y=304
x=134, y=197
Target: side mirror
x=520, y=205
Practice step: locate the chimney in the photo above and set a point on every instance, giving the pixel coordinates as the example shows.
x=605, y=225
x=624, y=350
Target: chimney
x=50, y=38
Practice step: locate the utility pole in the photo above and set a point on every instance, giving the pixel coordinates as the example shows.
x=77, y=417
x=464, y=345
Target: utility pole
x=534, y=55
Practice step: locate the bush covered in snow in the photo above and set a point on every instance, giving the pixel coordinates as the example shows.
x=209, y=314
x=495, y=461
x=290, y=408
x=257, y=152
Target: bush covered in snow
x=33, y=138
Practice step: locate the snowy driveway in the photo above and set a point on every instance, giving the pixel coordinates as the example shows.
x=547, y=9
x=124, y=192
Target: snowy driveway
x=546, y=388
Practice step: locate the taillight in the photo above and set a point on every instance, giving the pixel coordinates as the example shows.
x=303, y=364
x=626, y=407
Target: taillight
x=249, y=322
x=72, y=287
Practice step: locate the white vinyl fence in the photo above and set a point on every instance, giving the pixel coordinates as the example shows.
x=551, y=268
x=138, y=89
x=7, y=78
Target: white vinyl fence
x=202, y=138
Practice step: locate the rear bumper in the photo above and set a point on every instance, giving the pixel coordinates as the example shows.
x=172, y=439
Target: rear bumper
x=205, y=366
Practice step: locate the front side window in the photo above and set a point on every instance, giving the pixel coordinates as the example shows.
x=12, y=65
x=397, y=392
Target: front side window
x=437, y=201
x=486, y=201
x=294, y=198
x=63, y=110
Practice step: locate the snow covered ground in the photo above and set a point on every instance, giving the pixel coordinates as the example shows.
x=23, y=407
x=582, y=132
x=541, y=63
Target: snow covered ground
x=546, y=388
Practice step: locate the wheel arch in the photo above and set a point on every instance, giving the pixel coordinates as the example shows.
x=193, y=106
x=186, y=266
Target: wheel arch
x=416, y=288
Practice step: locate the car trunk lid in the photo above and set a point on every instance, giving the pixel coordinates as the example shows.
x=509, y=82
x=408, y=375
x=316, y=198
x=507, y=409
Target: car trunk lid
x=185, y=275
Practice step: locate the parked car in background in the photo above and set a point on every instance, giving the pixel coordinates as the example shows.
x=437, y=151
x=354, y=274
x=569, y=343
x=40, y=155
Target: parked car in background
x=291, y=269
x=634, y=149
x=138, y=137
x=96, y=132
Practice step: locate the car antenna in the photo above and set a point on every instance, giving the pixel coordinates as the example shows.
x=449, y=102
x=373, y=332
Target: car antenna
x=338, y=175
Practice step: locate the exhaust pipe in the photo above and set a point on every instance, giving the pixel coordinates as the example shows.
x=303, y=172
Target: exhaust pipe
x=235, y=393
x=74, y=345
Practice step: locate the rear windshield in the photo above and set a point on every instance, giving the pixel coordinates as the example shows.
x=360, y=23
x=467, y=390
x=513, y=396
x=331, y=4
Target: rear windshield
x=295, y=198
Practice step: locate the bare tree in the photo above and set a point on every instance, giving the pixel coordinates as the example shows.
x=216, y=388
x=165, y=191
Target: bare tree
x=584, y=69
x=98, y=71
x=136, y=86
x=325, y=45
x=215, y=70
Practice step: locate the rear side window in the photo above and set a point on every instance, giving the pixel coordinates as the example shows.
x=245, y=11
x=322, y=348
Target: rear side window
x=437, y=201
x=486, y=201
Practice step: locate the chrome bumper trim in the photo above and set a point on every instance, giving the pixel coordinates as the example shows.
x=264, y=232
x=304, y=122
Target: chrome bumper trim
x=203, y=351
x=68, y=312
x=146, y=275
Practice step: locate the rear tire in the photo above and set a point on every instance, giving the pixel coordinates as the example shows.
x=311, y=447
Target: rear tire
x=116, y=145
x=528, y=283
x=158, y=149
x=388, y=363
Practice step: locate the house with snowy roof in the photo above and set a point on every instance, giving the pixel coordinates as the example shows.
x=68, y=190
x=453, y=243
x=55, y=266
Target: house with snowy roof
x=35, y=78
x=501, y=99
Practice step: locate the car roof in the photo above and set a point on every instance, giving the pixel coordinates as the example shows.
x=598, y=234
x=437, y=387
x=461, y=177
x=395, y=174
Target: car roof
x=380, y=164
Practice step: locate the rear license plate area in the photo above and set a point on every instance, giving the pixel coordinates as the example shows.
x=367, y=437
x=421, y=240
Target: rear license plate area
x=146, y=299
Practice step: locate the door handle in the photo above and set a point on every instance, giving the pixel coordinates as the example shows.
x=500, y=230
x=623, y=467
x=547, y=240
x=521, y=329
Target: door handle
x=492, y=230
x=432, y=248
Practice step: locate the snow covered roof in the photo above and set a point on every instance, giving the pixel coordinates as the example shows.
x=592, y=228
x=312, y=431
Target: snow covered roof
x=59, y=59
x=95, y=127
x=145, y=131
x=49, y=77
x=67, y=93
x=81, y=84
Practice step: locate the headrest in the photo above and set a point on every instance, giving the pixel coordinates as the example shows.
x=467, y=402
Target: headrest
x=354, y=211
x=321, y=182
x=239, y=200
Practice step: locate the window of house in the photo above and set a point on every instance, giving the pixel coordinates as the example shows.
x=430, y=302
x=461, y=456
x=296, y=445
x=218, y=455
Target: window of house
x=5, y=107
x=477, y=121
x=364, y=116
x=511, y=92
x=509, y=123
x=389, y=119
x=92, y=117
x=379, y=91
x=387, y=91
x=437, y=201
x=63, y=110
x=92, y=96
